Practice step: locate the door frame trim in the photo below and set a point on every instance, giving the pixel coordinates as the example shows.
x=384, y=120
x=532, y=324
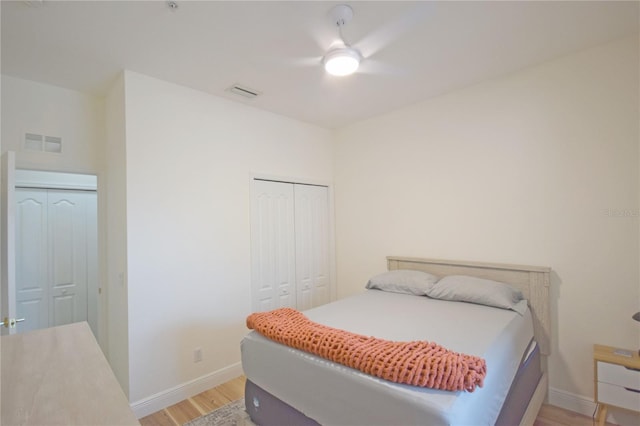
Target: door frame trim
x=8, y=238
x=41, y=179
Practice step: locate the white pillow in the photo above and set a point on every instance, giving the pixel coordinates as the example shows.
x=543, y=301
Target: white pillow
x=403, y=281
x=480, y=291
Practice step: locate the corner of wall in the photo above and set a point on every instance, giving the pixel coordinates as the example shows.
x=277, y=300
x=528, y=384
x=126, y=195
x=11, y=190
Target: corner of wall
x=116, y=239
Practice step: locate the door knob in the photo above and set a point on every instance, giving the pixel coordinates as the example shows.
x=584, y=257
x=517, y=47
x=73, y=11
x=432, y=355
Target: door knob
x=10, y=322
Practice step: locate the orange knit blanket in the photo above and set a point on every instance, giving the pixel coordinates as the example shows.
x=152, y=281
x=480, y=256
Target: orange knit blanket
x=418, y=363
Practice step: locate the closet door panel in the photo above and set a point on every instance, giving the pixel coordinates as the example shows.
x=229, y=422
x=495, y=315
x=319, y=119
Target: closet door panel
x=68, y=257
x=322, y=271
x=272, y=246
x=31, y=258
x=312, y=245
x=304, y=246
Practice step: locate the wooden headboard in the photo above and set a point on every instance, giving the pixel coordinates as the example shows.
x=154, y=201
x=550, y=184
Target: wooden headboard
x=533, y=281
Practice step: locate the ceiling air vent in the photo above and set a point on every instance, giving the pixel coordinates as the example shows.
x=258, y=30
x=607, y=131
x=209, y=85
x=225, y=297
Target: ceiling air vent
x=243, y=91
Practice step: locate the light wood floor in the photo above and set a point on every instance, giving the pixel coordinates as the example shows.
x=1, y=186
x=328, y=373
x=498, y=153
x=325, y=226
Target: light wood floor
x=196, y=406
x=211, y=399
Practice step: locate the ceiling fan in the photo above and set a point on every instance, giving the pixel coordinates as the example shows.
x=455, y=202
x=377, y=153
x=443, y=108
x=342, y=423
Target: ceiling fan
x=342, y=58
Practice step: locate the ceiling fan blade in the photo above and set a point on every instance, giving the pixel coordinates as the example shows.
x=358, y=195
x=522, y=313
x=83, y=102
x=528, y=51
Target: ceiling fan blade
x=371, y=66
x=386, y=34
x=303, y=61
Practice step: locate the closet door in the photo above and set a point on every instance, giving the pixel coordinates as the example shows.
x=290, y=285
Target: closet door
x=272, y=246
x=31, y=258
x=312, y=245
x=52, y=246
x=68, y=256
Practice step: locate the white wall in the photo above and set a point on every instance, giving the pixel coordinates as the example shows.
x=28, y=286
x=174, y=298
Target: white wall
x=78, y=118
x=189, y=160
x=532, y=168
x=114, y=261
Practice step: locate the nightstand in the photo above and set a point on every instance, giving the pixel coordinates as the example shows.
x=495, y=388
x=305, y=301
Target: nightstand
x=616, y=380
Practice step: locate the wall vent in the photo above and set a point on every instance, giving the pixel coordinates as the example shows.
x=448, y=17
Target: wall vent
x=33, y=142
x=243, y=91
x=52, y=144
x=41, y=143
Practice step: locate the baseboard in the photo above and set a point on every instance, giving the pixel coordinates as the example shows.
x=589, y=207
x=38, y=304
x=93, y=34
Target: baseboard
x=171, y=396
x=571, y=401
x=586, y=406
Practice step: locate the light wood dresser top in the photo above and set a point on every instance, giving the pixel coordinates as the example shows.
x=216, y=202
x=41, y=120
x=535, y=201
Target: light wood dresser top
x=59, y=376
x=606, y=354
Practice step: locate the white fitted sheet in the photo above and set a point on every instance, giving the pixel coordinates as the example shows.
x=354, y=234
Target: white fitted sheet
x=333, y=394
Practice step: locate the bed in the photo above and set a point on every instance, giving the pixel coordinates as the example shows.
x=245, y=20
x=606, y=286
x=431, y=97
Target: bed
x=286, y=386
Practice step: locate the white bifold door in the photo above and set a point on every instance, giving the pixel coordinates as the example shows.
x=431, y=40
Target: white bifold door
x=290, y=245
x=55, y=252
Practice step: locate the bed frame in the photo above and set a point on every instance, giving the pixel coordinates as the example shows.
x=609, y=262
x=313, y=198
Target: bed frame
x=533, y=281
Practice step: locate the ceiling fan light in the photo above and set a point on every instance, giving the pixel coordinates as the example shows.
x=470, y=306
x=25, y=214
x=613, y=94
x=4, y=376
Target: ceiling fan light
x=342, y=61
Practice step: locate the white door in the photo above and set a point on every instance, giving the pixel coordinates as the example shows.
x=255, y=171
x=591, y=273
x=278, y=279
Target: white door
x=31, y=258
x=272, y=245
x=7, y=240
x=56, y=246
x=312, y=245
x=68, y=256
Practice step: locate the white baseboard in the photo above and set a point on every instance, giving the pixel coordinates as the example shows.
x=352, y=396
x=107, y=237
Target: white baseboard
x=171, y=396
x=585, y=405
x=571, y=401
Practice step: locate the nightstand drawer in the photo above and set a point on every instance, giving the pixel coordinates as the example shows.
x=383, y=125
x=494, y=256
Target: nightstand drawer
x=618, y=396
x=618, y=375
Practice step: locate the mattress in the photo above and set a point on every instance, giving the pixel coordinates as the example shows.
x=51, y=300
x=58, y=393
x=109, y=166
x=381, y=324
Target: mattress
x=333, y=394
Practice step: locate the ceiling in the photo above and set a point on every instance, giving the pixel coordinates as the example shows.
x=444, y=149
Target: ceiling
x=412, y=50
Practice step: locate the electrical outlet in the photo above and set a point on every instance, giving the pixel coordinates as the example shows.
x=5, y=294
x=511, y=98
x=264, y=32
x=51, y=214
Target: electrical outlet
x=197, y=355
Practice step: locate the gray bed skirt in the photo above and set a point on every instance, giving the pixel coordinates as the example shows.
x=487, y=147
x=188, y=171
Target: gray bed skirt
x=268, y=410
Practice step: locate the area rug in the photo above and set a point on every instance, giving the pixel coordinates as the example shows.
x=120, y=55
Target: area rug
x=231, y=414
